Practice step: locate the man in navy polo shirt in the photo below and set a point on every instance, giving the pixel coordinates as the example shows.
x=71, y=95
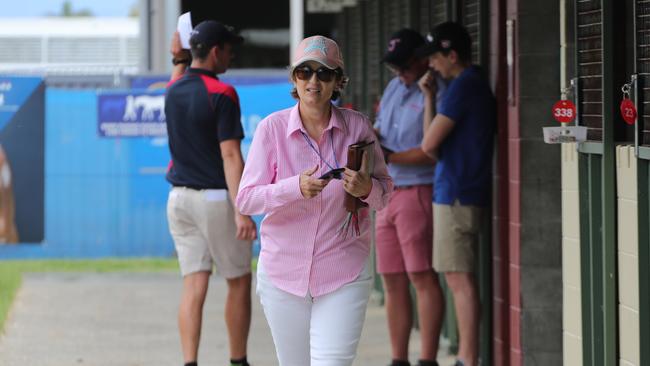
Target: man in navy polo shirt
x=461, y=138
x=204, y=129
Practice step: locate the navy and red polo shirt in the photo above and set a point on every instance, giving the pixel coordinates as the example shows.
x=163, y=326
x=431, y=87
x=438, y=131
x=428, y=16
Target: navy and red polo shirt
x=201, y=112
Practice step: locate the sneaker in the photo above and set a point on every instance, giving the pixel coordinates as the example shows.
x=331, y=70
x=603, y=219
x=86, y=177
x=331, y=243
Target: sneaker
x=399, y=363
x=427, y=363
x=244, y=363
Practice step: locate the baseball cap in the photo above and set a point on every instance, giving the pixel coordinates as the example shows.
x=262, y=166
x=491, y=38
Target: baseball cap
x=446, y=37
x=402, y=46
x=209, y=33
x=320, y=49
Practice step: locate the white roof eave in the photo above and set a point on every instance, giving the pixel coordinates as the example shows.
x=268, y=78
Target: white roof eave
x=69, y=27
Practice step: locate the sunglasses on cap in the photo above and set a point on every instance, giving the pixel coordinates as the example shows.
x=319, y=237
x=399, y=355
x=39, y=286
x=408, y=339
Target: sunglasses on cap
x=323, y=73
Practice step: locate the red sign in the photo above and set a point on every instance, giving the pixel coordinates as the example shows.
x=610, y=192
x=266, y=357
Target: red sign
x=628, y=111
x=564, y=111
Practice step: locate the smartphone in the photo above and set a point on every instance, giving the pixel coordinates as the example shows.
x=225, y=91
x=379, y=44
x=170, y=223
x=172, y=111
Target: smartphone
x=333, y=174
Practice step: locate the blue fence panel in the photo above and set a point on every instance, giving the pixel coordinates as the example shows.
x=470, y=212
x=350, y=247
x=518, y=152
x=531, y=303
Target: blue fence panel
x=107, y=196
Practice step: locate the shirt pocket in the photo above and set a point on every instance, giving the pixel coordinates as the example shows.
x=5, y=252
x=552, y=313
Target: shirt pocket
x=288, y=166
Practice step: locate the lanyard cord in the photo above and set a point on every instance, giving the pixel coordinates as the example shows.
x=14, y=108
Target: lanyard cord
x=316, y=151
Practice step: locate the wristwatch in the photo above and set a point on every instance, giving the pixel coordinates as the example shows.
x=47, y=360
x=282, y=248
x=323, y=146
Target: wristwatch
x=176, y=61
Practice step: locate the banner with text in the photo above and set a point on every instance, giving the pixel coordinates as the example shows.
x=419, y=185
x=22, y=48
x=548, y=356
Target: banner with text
x=131, y=114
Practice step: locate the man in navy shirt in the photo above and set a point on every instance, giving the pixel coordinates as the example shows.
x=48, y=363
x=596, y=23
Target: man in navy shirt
x=204, y=129
x=404, y=228
x=461, y=138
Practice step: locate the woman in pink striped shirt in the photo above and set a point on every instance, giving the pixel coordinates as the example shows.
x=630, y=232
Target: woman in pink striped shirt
x=312, y=280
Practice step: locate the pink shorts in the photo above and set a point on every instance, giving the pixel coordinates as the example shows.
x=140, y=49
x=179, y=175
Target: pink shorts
x=404, y=231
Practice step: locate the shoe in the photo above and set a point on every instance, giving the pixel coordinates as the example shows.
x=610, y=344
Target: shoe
x=399, y=363
x=459, y=363
x=427, y=363
x=244, y=363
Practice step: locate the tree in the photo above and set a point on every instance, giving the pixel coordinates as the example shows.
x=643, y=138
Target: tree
x=67, y=11
x=134, y=11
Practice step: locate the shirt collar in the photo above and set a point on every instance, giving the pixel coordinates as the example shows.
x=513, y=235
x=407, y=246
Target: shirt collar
x=295, y=123
x=410, y=88
x=194, y=70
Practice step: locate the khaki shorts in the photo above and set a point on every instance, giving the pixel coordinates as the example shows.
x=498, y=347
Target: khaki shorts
x=202, y=224
x=455, y=237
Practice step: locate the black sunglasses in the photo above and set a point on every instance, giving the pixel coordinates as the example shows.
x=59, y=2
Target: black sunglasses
x=323, y=74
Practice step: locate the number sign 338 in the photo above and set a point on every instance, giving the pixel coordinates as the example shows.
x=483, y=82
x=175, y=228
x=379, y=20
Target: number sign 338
x=564, y=111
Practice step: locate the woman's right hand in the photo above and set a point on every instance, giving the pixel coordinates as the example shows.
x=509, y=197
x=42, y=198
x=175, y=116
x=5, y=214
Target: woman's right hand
x=310, y=187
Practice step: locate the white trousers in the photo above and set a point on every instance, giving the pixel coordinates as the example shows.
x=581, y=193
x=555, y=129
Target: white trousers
x=321, y=331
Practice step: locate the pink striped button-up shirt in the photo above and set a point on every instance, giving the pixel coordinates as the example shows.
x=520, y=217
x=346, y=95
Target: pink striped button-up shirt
x=302, y=252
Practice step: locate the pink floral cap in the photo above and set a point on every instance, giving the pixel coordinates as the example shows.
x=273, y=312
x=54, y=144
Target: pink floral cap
x=320, y=49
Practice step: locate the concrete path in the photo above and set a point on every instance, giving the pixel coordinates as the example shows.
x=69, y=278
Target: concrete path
x=63, y=319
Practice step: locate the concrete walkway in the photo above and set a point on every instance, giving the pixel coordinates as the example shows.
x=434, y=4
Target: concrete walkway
x=129, y=319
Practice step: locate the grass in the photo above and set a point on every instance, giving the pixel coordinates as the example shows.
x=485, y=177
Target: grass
x=11, y=272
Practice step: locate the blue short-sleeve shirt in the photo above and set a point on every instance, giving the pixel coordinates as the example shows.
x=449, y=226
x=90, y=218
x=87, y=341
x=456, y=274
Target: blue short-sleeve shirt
x=399, y=121
x=464, y=168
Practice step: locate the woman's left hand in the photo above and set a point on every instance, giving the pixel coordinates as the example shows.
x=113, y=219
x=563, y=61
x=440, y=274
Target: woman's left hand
x=358, y=184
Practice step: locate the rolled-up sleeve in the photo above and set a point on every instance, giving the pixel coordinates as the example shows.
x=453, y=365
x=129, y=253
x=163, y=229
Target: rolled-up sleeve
x=382, y=183
x=259, y=192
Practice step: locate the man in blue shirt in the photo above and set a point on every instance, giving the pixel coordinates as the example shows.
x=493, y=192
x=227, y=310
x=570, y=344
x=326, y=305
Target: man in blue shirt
x=461, y=138
x=404, y=228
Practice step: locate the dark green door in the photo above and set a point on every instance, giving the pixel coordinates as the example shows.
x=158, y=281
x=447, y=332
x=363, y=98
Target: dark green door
x=641, y=16
x=594, y=22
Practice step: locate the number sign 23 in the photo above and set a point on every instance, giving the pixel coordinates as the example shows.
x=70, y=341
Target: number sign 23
x=628, y=111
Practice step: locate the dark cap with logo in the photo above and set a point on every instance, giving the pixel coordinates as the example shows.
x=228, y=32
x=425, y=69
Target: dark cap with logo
x=210, y=33
x=401, y=47
x=446, y=37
